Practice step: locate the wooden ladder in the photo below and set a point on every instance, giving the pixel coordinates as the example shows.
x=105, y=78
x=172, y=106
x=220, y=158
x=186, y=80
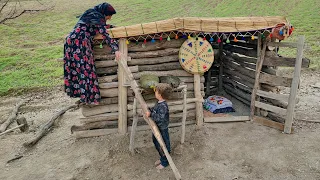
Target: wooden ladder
x=153, y=126
x=291, y=98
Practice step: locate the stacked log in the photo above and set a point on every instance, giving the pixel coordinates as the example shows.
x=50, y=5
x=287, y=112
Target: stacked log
x=159, y=58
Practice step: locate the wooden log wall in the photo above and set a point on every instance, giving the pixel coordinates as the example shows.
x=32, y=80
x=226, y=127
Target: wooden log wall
x=239, y=65
x=159, y=58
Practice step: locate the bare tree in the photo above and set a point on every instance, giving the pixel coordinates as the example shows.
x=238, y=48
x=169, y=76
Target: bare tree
x=11, y=9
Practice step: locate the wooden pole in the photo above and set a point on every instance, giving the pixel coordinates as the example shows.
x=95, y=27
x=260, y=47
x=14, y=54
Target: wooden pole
x=221, y=65
x=145, y=109
x=184, y=115
x=199, y=107
x=123, y=93
x=134, y=126
x=258, y=57
x=294, y=87
x=256, y=83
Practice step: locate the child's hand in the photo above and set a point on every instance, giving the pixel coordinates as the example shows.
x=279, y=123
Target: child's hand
x=148, y=114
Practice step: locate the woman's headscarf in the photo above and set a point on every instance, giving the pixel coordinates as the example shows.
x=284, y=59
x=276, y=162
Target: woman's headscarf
x=97, y=14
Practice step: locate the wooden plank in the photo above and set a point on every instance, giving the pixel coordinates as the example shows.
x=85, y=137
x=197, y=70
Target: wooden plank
x=199, y=106
x=284, y=61
x=236, y=84
x=268, y=123
x=280, y=97
x=257, y=77
x=104, y=117
x=275, y=80
x=259, y=48
x=237, y=76
x=294, y=86
x=271, y=108
x=237, y=92
x=94, y=133
x=283, y=44
x=226, y=119
x=108, y=85
x=123, y=92
x=184, y=115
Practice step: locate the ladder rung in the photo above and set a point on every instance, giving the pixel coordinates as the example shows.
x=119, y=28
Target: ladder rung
x=280, y=97
x=271, y=108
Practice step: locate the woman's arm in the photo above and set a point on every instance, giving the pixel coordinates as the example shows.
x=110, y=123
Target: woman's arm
x=111, y=42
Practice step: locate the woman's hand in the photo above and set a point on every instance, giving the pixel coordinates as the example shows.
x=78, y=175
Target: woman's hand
x=118, y=55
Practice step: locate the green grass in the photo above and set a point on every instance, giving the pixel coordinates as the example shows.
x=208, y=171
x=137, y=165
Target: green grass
x=31, y=44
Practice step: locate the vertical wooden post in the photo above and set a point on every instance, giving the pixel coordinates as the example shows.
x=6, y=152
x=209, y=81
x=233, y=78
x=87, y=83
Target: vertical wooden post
x=122, y=97
x=221, y=65
x=208, y=83
x=256, y=80
x=199, y=106
x=134, y=126
x=184, y=115
x=258, y=57
x=294, y=86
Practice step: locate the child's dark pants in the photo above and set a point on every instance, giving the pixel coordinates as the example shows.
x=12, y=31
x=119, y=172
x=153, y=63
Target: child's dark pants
x=165, y=136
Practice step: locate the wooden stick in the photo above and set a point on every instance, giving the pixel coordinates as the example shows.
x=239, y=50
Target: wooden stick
x=151, y=123
x=184, y=115
x=12, y=117
x=294, y=86
x=134, y=126
x=12, y=129
x=256, y=84
x=47, y=126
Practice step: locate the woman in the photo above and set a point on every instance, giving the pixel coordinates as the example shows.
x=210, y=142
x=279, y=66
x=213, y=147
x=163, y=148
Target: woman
x=80, y=78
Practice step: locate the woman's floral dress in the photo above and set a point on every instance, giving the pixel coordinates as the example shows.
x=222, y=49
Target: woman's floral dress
x=80, y=76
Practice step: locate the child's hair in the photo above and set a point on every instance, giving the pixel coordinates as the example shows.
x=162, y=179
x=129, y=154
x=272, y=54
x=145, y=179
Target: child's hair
x=164, y=90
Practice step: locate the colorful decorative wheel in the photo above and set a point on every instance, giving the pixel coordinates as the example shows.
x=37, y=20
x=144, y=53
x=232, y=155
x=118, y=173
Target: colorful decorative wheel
x=196, y=55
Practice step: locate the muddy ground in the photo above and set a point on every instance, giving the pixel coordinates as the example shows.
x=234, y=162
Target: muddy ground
x=215, y=151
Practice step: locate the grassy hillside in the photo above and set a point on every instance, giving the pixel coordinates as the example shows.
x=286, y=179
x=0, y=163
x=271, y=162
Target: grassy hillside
x=31, y=44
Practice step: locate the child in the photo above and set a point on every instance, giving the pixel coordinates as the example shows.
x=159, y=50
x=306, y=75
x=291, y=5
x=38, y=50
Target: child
x=160, y=114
